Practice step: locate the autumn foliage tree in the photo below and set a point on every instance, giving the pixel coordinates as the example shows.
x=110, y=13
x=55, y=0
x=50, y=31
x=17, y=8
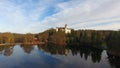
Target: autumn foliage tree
x=58, y=38
x=75, y=37
x=7, y=38
x=28, y=38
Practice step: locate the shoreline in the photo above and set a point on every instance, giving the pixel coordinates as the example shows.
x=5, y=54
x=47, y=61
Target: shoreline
x=22, y=44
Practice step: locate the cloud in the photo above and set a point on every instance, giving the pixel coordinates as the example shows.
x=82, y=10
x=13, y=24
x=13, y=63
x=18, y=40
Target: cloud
x=18, y=18
x=38, y=15
x=110, y=26
x=83, y=15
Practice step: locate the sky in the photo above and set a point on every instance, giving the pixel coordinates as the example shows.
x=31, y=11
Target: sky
x=34, y=16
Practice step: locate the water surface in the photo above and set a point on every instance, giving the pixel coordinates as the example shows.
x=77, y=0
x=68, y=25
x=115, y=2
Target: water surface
x=45, y=56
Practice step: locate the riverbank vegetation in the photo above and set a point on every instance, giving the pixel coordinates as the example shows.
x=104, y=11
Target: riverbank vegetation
x=96, y=38
x=101, y=38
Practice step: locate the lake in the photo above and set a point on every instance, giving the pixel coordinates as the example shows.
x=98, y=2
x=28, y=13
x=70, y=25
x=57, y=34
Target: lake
x=47, y=56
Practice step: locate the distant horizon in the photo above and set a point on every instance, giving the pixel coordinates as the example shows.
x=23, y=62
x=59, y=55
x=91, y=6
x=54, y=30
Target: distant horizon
x=36, y=16
x=54, y=28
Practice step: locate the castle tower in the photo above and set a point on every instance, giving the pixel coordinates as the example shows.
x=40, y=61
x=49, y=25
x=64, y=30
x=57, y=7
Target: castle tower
x=66, y=26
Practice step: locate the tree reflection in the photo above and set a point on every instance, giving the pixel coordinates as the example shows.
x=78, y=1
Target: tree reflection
x=1, y=49
x=27, y=48
x=114, y=60
x=96, y=55
x=113, y=53
x=83, y=51
x=54, y=49
x=8, y=50
x=86, y=51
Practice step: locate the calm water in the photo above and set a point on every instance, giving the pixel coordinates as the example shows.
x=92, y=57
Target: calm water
x=44, y=56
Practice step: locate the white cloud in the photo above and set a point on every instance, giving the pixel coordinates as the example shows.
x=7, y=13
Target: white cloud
x=86, y=14
x=109, y=26
x=78, y=14
x=14, y=18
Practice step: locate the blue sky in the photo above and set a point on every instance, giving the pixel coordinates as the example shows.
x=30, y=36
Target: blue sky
x=34, y=16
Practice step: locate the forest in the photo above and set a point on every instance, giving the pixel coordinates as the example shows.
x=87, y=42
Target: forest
x=101, y=38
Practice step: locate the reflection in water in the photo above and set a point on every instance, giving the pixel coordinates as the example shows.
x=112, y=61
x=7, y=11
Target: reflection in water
x=6, y=50
x=113, y=53
x=84, y=52
x=114, y=60
x=40, y=55
x=1, y=49
x=27, y=48
x=54, y=49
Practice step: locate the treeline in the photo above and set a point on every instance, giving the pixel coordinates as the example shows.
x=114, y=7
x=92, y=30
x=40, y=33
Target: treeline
x=7, y=37
x=51, y=36
x=60, y=38
x=96, y=38
x=101, y=38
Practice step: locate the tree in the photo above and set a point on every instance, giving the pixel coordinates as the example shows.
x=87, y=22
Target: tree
x=1, y=38
x=19, y=38
x=28, y=38
x=8, y=37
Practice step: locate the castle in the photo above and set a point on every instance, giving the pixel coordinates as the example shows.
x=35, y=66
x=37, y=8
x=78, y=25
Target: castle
x=64, y=29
